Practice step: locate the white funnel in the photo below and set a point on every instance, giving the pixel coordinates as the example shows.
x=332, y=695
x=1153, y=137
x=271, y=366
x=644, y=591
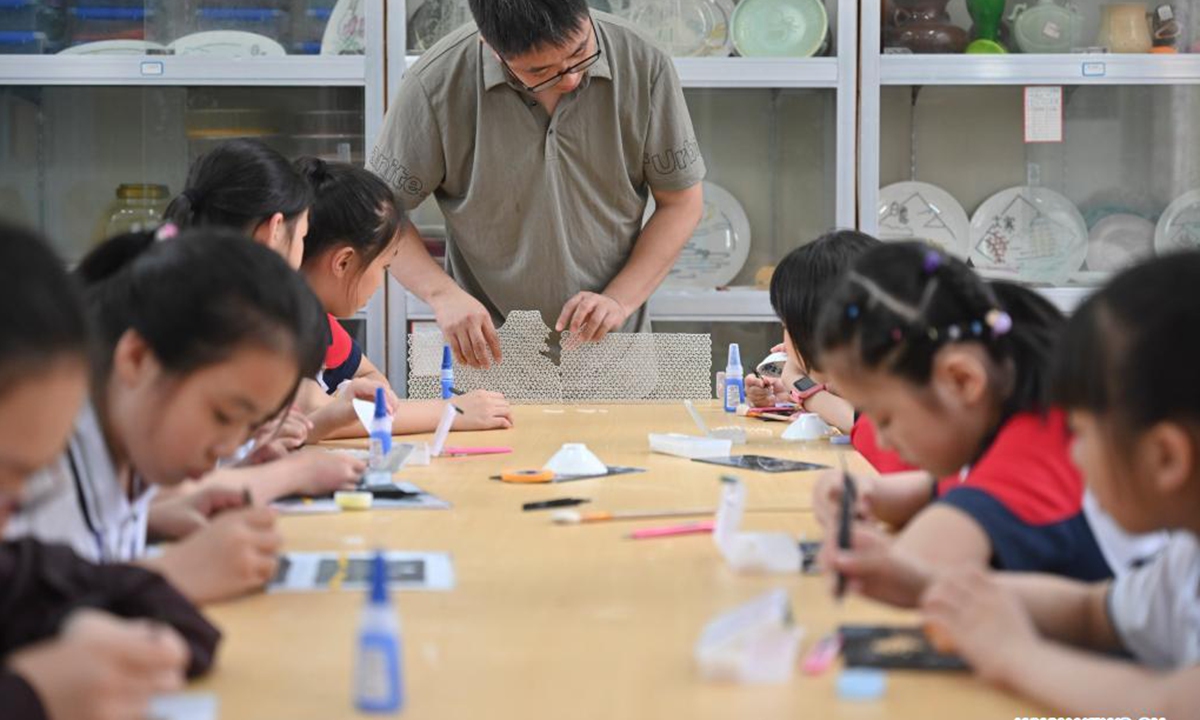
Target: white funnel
x=576, y=459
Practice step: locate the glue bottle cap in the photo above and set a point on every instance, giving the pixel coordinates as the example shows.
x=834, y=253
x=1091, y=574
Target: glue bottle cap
x=734, y=366
x=380, y=404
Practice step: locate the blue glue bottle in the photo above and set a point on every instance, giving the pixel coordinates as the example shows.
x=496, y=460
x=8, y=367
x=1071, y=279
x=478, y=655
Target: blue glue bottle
x=378, y=675
x=735, y=384
x=380, y=441
x=447, y=373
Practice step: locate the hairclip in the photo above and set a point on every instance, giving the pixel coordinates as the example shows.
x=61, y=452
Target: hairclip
x=897, y=334
x=166, y=231
x=954, y=332
x=976, y=328
x=852, y=311
x=999, y=321
x=933, y=260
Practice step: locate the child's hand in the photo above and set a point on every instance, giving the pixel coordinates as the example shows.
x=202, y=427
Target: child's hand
x=102, y=667
x=873, y=569
x=275, y=440
x=181, y=515
x=980, y=621
x=763, y=392
x=483, y=410
x=364, y=389
x=317, y=472
x=827, y=499
x=235, y=554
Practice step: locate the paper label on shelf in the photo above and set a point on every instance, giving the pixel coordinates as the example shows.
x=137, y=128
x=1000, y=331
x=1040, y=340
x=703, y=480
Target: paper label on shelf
x=1052, y=30
x=1165, y=13
x=1043, y=114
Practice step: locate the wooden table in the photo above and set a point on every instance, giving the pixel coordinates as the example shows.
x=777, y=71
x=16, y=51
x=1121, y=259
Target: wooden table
x=564, y=622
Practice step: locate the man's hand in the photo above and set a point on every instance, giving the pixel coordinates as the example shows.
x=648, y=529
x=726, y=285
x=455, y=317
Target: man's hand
x=590, y=316
x=467, y=326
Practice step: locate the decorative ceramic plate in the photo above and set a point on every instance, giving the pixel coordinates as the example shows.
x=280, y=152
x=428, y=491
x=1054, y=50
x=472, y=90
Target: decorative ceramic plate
x=116, y=47
x=1179, y=226
x=1118, y=241
x=779, y=28
x=435, y=19
x=719, y=247
x=346, y=31
x=1030, y=234
x=227, y=43
x=683, y=28
x=920, y=211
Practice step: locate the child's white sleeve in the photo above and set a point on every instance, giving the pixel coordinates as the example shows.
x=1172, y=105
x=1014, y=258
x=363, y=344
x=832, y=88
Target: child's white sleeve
x=1155, y=609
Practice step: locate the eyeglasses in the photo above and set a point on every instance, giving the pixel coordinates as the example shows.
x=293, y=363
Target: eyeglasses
x=573, y=70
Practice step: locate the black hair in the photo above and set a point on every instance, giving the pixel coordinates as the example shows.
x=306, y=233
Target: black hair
x=198, y=297
x=514, y=27
x=41, y=316
x=238, y=185
x=1129, y=351
x=902, y=302
x=803, y=280
x=351, y=206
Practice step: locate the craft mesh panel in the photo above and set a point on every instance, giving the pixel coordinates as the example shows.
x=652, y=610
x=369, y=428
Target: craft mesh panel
x=624, y=367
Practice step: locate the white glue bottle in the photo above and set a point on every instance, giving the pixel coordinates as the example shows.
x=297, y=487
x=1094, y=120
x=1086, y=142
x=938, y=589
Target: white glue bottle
x=735, y=384
x=378, y=672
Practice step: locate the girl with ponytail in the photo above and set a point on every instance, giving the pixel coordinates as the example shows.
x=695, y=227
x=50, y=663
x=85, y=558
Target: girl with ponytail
x=199, y=340
x=954, y=373
x=353, y=235
x=245, y=185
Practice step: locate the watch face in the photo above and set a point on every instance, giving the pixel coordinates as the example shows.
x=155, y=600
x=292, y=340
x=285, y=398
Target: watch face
x=804, y=384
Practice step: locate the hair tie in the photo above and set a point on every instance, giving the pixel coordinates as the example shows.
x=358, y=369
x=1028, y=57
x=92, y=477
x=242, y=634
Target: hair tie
x=166, y=231
x=999, y=321
x=932, y=261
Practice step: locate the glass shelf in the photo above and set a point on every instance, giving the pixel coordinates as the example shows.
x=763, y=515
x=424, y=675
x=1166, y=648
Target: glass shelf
x=427, y=21
x=1126, y=151
x=76, y=145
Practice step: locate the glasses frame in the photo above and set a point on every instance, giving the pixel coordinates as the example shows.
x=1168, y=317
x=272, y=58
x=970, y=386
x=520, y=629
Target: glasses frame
x=575, y=69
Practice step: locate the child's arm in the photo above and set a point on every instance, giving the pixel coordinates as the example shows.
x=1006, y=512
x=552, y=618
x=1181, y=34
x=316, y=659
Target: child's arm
x=307, y=472
x=1065, y=610
x=942, y=535
x=894, y=499
x=832, y=409
x=990, y=629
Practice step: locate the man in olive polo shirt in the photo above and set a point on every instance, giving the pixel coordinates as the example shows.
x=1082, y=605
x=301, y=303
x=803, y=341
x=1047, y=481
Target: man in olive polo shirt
x=541, y=129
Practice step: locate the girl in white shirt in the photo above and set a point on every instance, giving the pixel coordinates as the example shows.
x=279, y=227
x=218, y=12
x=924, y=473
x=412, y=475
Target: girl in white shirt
x=202, y=338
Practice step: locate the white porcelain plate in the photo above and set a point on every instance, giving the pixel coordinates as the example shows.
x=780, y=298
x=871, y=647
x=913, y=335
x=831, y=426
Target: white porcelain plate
x=1118, y=241
x=227, y=43
x=345, y=33
x=719, y=247
x=683, y=28
x=920, y=211
x=1030, y=234
x=115, y=47
x=1179, y=226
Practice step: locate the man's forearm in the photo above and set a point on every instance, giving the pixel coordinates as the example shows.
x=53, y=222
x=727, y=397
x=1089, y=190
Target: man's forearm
x=417, y=271
x=657, y=249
